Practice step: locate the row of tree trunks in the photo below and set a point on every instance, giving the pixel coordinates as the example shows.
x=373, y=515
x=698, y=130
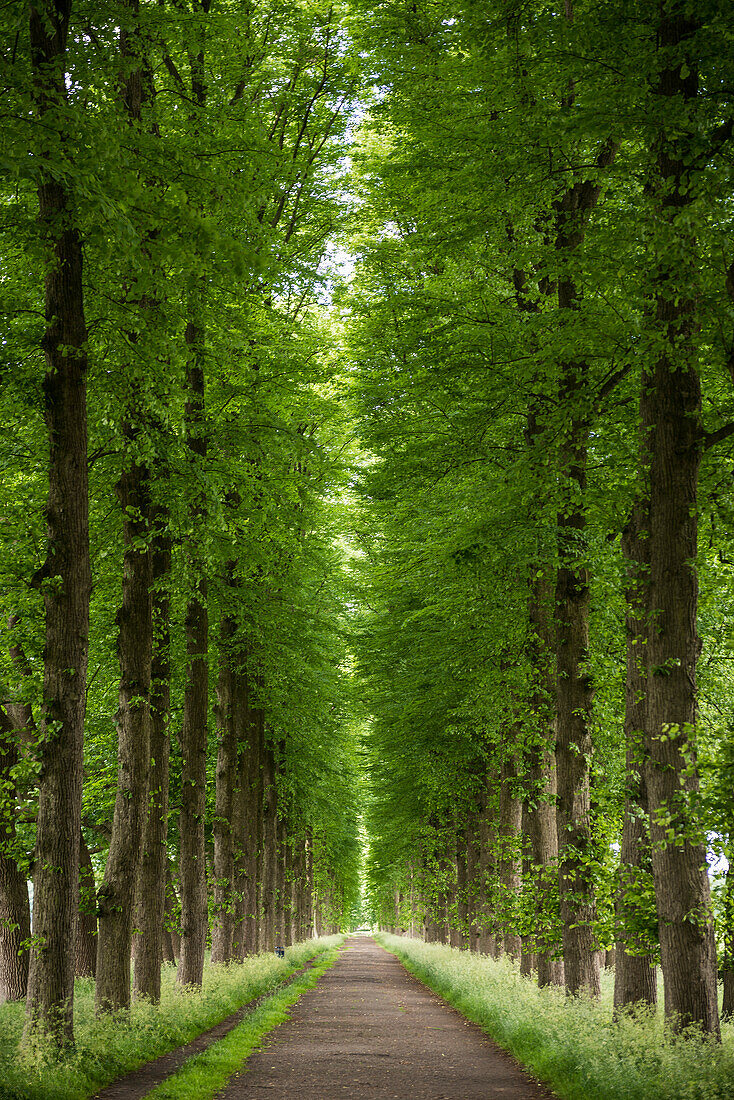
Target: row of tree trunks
x=262, y=880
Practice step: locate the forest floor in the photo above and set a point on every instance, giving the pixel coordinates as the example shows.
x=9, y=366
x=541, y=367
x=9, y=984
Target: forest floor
x=369, y=1030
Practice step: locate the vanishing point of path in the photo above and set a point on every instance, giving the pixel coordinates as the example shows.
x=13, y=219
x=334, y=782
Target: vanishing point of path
x=369, y=1031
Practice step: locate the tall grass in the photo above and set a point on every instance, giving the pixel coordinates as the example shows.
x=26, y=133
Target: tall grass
x=206, y=1074
x=107, y=1047
x=573, y=1044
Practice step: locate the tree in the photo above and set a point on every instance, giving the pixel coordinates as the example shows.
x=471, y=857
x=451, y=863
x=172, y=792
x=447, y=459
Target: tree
x=65, y=576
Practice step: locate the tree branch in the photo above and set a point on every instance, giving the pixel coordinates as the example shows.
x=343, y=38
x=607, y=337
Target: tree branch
x=710, y=439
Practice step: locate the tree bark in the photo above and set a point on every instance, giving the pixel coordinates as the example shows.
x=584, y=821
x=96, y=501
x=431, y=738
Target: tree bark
x=240, y=818
x=226, y=796
x=309, y=885
x=541, y=783
x=727, y=961
x=258, y=725
x=487, y=936
x=635, y=977
x=116, y=894
x=171, y=926
x=192, y=861
x=300, y=932
x=15, y=916
x=86, y=932
x=578, y=905
x=151, y=893
x=194, y=731
x=574, y=688
x=527, y=953
x=510, y=819
x=672, y=437
x=281, y=914
x=269, y=849
x=249, y=823
x=473, y=857
x=65, y=578
x=462, y=888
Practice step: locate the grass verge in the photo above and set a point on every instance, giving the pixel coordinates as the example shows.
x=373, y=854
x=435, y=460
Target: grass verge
x=108, y=1047
x=573, y=1044
x=204, y=1075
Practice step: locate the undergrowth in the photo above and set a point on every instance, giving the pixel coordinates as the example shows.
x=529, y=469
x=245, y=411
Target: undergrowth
x=572, y=1043
x=110, y=1046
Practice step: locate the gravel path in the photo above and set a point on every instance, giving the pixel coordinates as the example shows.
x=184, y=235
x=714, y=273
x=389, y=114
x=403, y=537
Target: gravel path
x=370, y=1031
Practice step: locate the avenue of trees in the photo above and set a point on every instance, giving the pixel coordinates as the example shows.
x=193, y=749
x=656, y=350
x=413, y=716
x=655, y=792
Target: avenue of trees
x=172, y=684
x=436, y=558
x=543, y=338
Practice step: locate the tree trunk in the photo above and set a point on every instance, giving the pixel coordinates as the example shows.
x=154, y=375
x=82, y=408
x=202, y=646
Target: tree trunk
x=671, y=426
x=309, y=885
x=194, y=734
x=171, y=926
x=541, y=783
x=462, y=888
x=487, y=937
x=226, y=796
x=249, y=827
x=269, y=850
x=192, y=861
x=258, y=721
x=527, y=952
x=473, y=858
x=578, y=905
x=281, y=917
x=300, y=932
x=65, y=578
x=240, y=816
x=574, y=687
x=510, y=819
x=635, y=977
x=15, y=930
x=117, y=892
x=15, y=916
x=151, y=892
x=291, y=936
x=450, y=864
x=727, y=962
x=86, y=932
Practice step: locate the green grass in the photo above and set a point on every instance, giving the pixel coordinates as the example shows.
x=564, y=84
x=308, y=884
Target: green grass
x=109, y=1047
x=204, y=1075
x=573, y=1044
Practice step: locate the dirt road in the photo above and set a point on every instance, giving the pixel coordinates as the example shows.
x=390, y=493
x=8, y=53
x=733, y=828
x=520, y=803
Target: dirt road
x=370, y=1031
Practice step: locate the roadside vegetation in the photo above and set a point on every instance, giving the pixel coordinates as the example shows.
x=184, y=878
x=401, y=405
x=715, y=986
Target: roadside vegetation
x=110, y=1045
x=206, y=1073
x=575, y=1044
